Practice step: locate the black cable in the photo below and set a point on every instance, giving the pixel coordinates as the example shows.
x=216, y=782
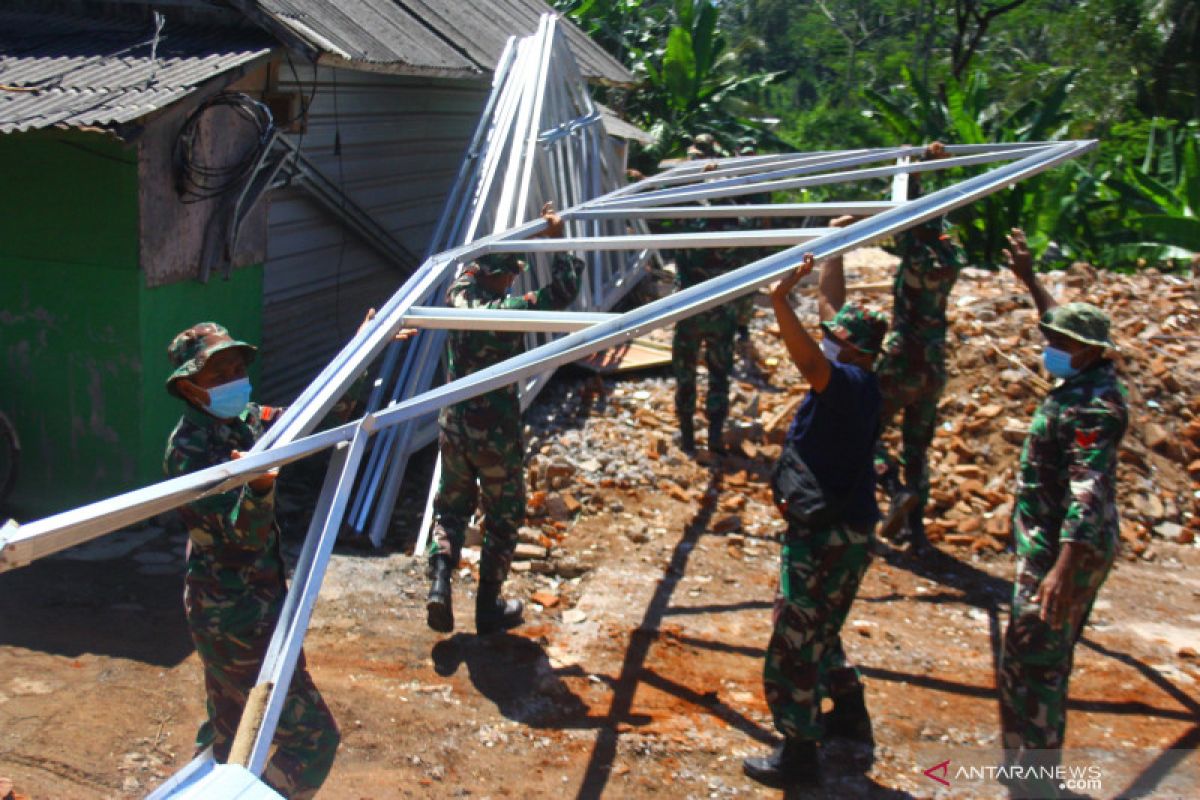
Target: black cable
x=196, y=180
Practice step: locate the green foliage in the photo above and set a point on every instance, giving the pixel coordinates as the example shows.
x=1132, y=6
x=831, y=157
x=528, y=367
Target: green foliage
x=692, y=81
x=867, y=73
x=1160, y=197
x=973, y=113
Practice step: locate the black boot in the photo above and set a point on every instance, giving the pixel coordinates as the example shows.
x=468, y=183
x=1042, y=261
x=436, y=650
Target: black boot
x=849, y=718
x=716, y=434
x=919, y=543
x=439, y=613
x=791, y=764
x=492, y=612
x=687, y=435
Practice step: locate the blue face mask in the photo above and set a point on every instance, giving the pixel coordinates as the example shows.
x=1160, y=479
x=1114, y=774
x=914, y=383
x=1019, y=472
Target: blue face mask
x=831, y=348
x=229, y=399
x=1058, y=362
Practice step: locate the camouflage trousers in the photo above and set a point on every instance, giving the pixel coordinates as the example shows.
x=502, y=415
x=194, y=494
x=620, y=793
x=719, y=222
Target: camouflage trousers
x=912, y=375
x=820, y=571
x=714, y=330
x=485, y=468
x=743, y=309
x=231, y=637
x=1036, y=662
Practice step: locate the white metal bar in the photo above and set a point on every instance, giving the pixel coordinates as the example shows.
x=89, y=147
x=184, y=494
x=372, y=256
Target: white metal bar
x=49, y=535
x=725, y=287
x=756, y=237
x=280, y=663
x=463, y=319
x=427, y=517
x=734, y=187
x=857, y=208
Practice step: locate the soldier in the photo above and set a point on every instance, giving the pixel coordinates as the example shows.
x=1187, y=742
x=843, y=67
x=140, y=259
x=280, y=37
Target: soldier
x=912, y=371
x=481, y=444
x=713, y=329
x=235, y=587
x=825, y=553
x=1065, y=521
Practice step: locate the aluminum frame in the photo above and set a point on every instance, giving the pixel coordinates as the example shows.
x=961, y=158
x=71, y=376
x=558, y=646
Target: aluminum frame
x=290, y=439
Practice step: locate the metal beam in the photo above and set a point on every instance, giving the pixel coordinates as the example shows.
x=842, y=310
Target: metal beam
x=502, y=320
x=764, y=237
x=752, y=210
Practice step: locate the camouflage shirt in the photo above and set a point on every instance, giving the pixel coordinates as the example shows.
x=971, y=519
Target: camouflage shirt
x=697, y=265
x=471, y=351
x=1066, y=489
x=928, y=270
x=233, y=542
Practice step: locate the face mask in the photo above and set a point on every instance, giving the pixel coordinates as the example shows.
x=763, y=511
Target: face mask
x=229, y=399
x=1058, y=362
x=831, y=348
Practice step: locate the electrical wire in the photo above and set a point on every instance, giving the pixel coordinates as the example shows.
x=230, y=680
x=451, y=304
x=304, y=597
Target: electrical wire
x=197, y=180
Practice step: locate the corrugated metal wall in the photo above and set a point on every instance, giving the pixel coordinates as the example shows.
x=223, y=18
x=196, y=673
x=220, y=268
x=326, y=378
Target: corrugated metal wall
x=401, y=142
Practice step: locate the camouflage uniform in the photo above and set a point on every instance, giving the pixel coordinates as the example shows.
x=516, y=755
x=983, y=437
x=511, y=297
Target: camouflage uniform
x=1066, y=492
x=235, y=587
x=822, y=565
x=713, y=329
x=912, y=371
x=820, y=572
x=481, y=441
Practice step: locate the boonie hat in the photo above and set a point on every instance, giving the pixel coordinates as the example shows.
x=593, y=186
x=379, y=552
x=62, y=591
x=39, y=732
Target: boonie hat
x=704, y=144
x=190, y=350
x=1080, y=321
x=862, y=328
x=495, y=263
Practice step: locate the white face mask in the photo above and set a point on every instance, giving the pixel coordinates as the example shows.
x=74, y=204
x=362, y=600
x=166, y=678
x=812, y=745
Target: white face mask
x=831, y=348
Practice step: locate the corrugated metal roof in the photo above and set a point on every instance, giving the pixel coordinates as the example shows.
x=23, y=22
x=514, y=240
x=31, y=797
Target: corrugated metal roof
x=458, y=38
x=75, y=71
x=615, y=126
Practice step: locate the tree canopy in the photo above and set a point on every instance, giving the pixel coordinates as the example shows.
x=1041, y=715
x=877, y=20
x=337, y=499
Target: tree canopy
x=810, y=74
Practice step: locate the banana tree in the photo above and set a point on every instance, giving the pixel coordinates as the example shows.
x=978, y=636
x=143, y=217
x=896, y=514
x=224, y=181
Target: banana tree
x=970, y=112
x=1163, y=196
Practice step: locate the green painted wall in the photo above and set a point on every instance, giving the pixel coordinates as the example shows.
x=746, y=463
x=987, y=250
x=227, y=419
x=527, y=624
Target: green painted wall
x=82, y=340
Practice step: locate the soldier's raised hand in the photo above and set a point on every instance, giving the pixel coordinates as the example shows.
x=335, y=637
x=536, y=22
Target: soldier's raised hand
x=789, y=281
x=1018, y=256
x=554, y=223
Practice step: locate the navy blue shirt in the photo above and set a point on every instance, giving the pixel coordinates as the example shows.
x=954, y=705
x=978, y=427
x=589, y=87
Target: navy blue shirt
x=835, y=432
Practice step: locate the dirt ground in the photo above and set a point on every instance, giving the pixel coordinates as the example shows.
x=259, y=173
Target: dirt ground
x=638, y=672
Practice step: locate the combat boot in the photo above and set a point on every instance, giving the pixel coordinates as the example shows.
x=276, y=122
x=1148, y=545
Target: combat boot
x=848, y=719
x=791, y=764
x=716, y=434
x=492, y=612
x=687, y=435
x=918, y=541
x=439, y=613
x=901, y=508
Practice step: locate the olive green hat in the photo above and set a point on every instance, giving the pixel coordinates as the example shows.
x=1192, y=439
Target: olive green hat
x=862, y=328
x=704, y=145
x=1082, y=322
x=190, y=350
x=495, y=263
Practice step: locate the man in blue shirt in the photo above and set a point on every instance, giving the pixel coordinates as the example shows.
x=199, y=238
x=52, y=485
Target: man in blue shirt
x=825, y=552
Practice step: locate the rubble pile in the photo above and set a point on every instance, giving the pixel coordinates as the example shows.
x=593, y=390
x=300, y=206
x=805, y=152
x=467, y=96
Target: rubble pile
x=597, y=445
